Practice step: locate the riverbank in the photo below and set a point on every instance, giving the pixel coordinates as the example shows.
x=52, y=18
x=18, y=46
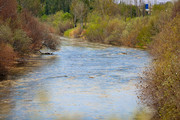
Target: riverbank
x=99, y=21
x=92, y=80
x=159, y=34
x=27, y=65
x=21, y=34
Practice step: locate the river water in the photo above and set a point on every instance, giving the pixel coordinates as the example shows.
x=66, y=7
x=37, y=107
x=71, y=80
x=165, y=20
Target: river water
x=84, y=80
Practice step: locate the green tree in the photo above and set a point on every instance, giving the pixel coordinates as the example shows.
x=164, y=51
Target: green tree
x=35, y=6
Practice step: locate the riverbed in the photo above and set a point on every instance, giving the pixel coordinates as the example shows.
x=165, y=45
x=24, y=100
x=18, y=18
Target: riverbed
x=88, y=81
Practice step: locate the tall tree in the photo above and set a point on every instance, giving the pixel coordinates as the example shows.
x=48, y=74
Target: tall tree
x=35, y=6
x=106, y=7
x=52, y=6
x=79, y=10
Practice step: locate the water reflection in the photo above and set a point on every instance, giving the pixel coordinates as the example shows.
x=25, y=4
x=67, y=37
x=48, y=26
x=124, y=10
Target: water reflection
x=85, y=80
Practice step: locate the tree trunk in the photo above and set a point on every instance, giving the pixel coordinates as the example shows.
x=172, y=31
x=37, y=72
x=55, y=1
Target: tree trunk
x=81, y=27
x=75, y=20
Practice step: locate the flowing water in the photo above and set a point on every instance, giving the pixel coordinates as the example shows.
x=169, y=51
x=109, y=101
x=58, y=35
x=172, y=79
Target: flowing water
x=84, y=80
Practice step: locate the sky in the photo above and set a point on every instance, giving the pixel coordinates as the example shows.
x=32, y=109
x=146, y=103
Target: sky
x=158, y=1
x=149, y=1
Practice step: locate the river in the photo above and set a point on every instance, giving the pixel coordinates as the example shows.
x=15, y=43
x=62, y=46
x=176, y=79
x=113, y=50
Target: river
x=84, y=80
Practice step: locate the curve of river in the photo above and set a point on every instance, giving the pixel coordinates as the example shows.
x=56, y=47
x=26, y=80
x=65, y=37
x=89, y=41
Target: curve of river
x=84, y=80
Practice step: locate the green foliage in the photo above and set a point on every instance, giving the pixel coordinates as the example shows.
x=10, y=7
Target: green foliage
x=159, y=8
x=61, y=21
x=41, y=7
x=35, y=6
x=74, y=32
x=52, y=6
x=66, y=16
x=18, y=40
x=21, y=42
x=21, y=33
x=114, y=31
x=128, y=10
x=6, y=34
x=67, y=32
x=94, y=17
x=57, y=18
x=95, y=31
x=109, y=31
x=44, y=18
x=144, y=36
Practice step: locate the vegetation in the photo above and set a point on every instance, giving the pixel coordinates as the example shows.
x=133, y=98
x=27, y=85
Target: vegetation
x=41, y=7
x=60, y=21
x=112, y=23
x=20, y=34
x=104, y=21
x=159, y=32
x=160, y=85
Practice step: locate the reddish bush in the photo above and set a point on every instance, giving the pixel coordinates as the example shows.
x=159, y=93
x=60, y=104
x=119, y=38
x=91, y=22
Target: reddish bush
x=8, y=8
x=38, y=32
x=33, y=29
x=7, y=58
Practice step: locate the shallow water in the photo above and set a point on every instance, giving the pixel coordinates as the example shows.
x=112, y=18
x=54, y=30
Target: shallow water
x=84, y=80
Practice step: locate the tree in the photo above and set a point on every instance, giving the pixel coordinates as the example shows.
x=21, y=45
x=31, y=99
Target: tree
x=35, y=6
x=106, y=7
x=52, y=6
x=8, y=9
x=79, y=10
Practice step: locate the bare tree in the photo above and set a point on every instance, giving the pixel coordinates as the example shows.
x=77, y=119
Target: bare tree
x=137, y=8
x=79, y=10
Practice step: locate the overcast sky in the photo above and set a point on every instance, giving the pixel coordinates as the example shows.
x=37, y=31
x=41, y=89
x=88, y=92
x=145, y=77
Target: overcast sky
x=148, y=1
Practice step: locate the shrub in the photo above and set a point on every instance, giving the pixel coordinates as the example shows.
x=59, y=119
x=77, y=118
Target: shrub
x=21, y=42
x=50, y=41
x=176, y=9
x=63, y=26
x=56, y=19
x=109, y=31
x=94, y=17
x=66, y=16
x=38, y=32
x=161, y=83
x=113, y=31
x=60, y=21
x=130, y=33
x=144, y=36
x=6, y=34
x=158, y=8
x=33, y=29
x=74, y=33
x=67, y=32
x=95, y=32
x=8, y=9
x=7, y=57
x=44, y=18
